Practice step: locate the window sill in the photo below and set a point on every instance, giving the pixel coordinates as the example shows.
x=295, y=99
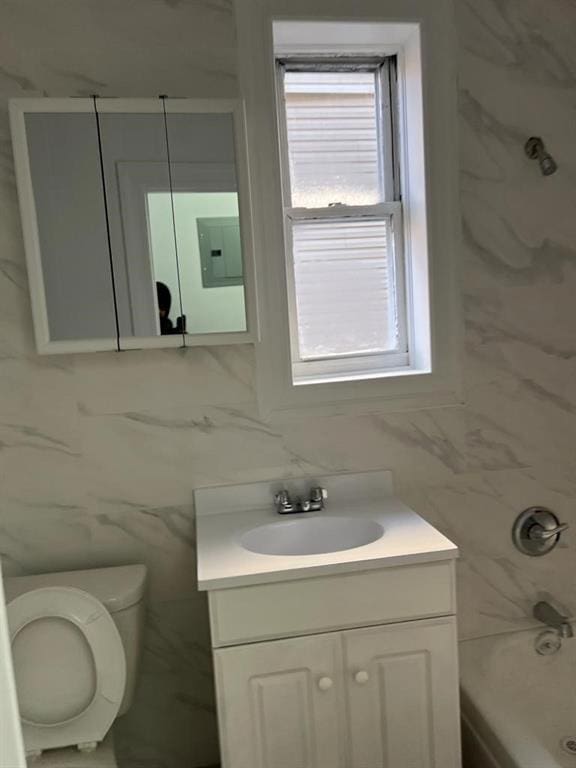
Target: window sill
x=405, y=389
x=301, y=380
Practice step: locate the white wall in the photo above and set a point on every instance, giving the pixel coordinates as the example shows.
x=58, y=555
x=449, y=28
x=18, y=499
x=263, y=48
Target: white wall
x=99, y=453
x=11, y=745
x=207, y=310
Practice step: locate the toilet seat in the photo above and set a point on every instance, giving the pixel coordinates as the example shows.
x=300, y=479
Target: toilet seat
x=74, y=618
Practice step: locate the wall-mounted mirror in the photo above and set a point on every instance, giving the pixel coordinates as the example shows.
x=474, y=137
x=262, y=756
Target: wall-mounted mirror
x=136, y=218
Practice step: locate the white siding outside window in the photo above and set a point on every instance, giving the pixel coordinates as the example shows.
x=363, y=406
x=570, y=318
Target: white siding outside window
x=343, y=278
x=332, y=141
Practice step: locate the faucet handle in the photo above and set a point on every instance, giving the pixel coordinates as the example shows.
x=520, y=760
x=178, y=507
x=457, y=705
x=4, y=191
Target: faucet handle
x=537, y=530
x=543, y=534
x=318, y=494
x=282, y=499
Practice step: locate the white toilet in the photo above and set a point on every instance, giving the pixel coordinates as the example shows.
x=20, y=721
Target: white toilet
x=75, y=640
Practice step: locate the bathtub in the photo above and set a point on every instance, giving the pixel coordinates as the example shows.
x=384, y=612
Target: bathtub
x=518, y=707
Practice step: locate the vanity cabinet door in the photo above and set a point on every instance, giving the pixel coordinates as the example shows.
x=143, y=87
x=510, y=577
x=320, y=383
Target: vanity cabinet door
x=403, y=695
x=279, y=704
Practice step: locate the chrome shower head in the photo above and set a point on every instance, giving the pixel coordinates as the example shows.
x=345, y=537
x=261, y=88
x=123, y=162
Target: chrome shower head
x=536, y=150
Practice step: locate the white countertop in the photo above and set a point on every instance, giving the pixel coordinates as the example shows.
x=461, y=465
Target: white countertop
x=11, y=747
x=223, y=515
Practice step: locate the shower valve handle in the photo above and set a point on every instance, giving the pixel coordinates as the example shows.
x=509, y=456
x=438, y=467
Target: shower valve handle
x=543, y=534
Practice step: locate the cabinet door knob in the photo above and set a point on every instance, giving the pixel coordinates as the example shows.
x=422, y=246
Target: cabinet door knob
x=325, y=683
x=362, y=677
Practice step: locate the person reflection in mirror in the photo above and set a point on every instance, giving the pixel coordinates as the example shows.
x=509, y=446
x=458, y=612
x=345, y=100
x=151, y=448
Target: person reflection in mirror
x=164, y=305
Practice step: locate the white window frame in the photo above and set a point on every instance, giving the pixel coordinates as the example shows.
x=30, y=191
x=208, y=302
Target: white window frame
x=348, y=367
x=422, y=38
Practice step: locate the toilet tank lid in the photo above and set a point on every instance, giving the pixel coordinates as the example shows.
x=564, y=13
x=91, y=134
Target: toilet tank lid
x=117, y=588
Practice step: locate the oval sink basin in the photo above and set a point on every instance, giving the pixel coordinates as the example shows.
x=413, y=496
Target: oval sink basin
x=314, y=536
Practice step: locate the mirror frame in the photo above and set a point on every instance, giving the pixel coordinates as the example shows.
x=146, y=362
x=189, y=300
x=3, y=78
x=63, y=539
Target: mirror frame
x=19, y=108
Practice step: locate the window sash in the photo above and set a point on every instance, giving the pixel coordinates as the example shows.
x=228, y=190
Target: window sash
x=349, y=365
x=377, y=211
x=385, y=71
x=398, y=357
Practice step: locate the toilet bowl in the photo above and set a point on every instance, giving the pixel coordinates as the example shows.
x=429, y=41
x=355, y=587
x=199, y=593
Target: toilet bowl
x=75, y=641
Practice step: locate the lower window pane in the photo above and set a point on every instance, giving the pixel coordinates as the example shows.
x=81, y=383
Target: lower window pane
x=345, y=288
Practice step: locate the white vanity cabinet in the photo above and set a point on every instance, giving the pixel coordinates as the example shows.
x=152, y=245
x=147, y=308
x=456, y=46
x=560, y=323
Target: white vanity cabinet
x=343, y=657
x=384, y=695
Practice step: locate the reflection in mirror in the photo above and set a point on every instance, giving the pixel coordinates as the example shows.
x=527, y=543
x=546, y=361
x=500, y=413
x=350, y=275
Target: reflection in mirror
x=171, y=181
x=71, y=224
x=210, y=257
x=135, y=159
x=204, y=201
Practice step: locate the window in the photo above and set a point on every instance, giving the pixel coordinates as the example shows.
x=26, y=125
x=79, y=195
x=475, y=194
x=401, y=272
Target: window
x=343, y=217
x=352, y=139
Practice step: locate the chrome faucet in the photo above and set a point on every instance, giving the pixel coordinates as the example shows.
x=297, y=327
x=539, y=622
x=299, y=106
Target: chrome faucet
x=548, y=615
x=314, y=503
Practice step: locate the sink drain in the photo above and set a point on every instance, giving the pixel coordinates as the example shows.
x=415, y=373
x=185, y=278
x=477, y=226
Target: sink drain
x=569, y=745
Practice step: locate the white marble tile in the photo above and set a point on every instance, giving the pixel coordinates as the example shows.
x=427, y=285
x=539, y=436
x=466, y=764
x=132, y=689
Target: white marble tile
x=157, y=458
x=111, y=383
x=45, y=535
x=135, y=48
x=52, y=536
x=173, y=722
x=419, y=445
x=163, y=538
x=497, y=585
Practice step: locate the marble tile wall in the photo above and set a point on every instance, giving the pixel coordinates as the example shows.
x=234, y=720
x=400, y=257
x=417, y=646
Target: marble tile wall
x=99, y=453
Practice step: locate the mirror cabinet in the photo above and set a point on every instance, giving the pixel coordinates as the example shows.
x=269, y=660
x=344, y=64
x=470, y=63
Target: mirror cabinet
x=136, y=220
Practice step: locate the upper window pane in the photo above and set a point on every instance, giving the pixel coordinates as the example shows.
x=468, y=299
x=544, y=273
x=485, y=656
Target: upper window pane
x=332, y=138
